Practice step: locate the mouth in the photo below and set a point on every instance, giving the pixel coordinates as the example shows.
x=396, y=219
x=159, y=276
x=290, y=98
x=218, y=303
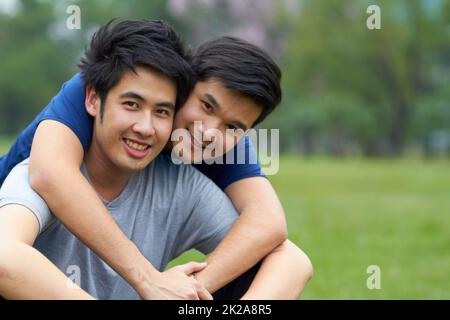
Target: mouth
x=136, y=149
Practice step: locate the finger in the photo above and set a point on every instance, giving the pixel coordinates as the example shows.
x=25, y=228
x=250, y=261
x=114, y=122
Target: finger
x=194, y=296
x=203, y=294
x=192, y=267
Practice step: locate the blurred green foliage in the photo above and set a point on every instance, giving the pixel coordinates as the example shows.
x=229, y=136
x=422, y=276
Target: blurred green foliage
x=347, y=89
x=365, y=86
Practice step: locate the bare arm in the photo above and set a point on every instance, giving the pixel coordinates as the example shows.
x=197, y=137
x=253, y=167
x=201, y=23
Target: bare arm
x=260, y=228
x=283, y=274
x=55, y=161
x=24, y=272
x=55, y=174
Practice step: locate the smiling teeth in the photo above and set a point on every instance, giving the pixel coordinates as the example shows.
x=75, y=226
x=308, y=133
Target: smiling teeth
x=136, y=146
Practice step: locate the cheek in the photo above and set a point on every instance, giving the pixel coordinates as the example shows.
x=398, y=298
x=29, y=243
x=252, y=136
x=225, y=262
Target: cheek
x=119, y=121
x=228, y=143
x=187, y=115
x=178, y=120
x=164, y=130
x=220, y=142
x=107, y=132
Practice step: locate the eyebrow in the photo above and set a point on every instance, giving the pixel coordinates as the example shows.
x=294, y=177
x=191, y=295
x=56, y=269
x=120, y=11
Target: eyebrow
x=134, y=95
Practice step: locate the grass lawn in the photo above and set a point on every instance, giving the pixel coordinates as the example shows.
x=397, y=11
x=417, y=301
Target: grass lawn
x=349, y=214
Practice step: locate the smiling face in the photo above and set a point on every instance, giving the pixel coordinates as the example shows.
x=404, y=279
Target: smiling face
x=218, y=109
x=137, y=120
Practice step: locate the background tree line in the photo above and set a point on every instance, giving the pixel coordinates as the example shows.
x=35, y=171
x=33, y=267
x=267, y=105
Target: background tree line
x=347, y=90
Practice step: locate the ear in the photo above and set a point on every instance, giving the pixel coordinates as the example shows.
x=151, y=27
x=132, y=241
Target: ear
x=92, y=101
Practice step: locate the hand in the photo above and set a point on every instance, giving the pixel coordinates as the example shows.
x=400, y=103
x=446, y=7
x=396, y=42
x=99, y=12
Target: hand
x=175, y=284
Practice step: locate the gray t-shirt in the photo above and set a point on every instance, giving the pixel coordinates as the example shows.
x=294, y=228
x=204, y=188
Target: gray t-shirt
x=165, y=209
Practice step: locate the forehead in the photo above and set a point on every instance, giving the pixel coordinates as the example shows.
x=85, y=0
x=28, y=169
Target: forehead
x=150, y=84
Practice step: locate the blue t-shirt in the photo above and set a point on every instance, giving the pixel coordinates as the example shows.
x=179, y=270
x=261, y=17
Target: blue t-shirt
x=68, y=107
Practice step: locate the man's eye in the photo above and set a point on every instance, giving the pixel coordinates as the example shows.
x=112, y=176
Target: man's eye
x=231, y=127
x=163, y=112
x=207, y=106
x=132, y=104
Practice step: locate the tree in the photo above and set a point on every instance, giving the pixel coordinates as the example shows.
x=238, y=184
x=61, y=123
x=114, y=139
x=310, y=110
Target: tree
x=385, y=71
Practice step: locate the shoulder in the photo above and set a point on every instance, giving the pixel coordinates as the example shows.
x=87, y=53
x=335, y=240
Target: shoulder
x=182, y=173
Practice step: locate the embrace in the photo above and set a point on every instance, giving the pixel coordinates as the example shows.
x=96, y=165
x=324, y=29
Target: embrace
x=90, y=183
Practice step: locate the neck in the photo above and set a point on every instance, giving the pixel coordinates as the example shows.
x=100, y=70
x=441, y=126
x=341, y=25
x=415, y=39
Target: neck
x=106, y=178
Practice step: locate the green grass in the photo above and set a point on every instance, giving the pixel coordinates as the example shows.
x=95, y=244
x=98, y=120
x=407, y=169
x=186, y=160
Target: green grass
x=349, y=214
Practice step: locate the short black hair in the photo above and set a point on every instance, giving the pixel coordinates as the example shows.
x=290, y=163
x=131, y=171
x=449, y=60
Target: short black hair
x=121, y=46
x=242, y=67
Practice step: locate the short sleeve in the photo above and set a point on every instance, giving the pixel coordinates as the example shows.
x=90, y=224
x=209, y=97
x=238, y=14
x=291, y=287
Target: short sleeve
x=211, y=217
x=68, y=107
x=17, y=190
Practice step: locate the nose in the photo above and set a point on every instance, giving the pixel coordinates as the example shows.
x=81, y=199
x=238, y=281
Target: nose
x=211, y=130
x=210, y=124
x=144, y=125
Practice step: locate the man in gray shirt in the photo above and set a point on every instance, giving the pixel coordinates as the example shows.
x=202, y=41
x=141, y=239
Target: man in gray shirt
x=165, y=210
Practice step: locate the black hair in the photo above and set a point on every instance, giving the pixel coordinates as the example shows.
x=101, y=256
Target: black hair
x=118, y=47
x=241, y=67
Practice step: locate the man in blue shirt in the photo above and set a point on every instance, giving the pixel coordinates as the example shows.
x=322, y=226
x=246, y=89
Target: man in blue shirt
x=237, y=85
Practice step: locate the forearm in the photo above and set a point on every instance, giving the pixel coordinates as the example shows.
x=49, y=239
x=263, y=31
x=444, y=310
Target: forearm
x=89, y=220
x=26, y=274
x=75, y=203
x=251, y=238
x=282, y=276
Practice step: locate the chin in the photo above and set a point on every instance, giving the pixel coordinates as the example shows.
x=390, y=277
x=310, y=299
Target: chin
x=133, y=165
